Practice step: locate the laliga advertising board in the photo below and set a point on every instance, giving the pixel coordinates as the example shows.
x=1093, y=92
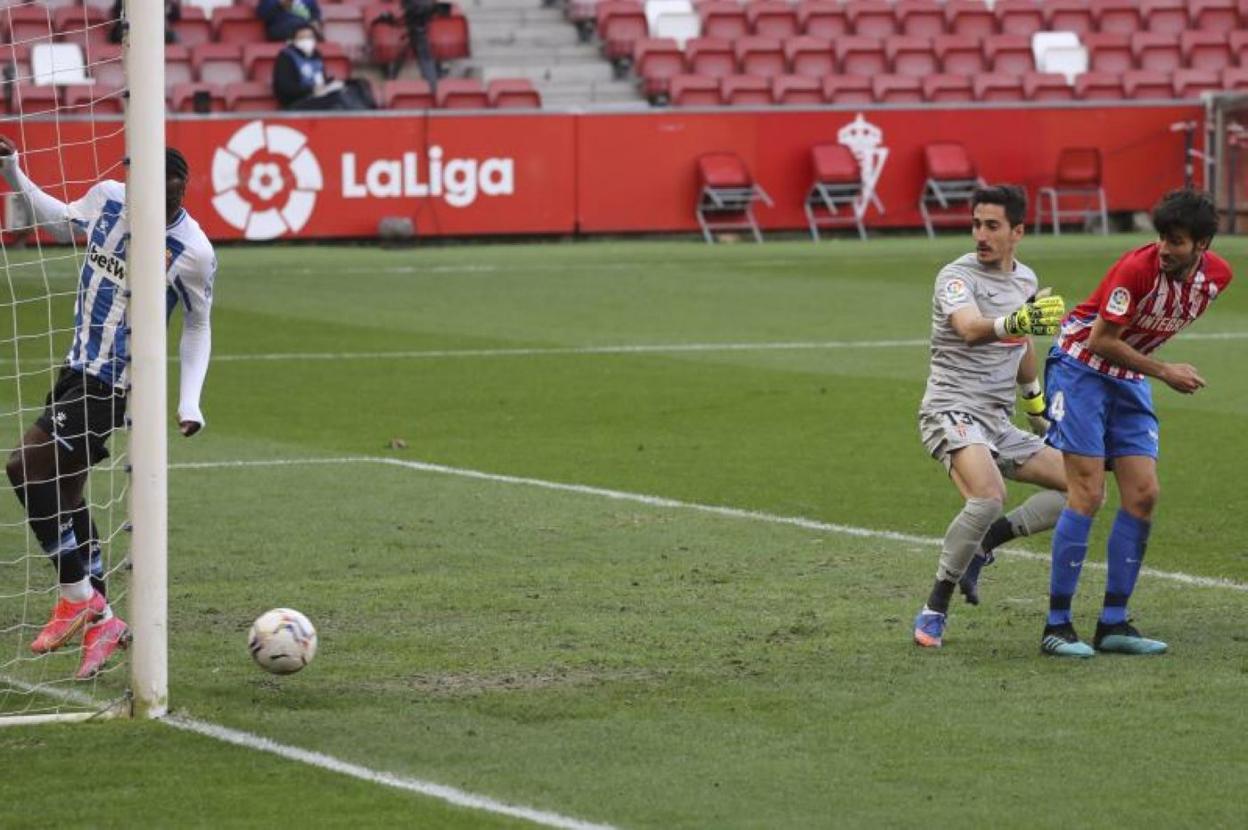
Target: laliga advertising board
x=290, y=178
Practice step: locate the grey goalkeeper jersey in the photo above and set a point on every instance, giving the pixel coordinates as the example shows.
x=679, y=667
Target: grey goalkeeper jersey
x=975, y=379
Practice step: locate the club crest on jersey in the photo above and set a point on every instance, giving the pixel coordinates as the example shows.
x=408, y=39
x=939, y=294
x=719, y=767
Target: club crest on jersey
x=955, y=291
x=1119, y=301
x=106, y=265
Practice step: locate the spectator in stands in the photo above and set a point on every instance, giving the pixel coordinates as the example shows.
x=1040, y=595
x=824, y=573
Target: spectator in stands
x=301, y=83
x=173, y=13
x=282, y=17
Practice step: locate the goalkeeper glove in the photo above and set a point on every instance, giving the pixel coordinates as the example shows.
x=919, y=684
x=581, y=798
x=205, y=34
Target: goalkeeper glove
x=1040, y=315
x=1033, y=407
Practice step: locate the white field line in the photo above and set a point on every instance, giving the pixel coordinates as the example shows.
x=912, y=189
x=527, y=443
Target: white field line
x=717, y=510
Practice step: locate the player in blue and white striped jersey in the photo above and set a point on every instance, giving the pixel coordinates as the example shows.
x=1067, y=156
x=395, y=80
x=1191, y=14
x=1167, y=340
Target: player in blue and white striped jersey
x=49, y=471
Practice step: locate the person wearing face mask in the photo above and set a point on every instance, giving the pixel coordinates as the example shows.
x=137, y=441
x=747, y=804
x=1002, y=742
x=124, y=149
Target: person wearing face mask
x=300, y=81
x=283, y=17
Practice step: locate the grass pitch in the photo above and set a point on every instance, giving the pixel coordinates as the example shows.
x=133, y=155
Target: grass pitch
x=637, y=662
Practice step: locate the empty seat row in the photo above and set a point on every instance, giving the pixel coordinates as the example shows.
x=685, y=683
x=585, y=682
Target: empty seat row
x=1110, y=52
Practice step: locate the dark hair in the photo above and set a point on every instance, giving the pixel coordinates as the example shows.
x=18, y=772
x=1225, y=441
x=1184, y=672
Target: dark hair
x=1186, y=210
x=1009, y=196
x=175, y=164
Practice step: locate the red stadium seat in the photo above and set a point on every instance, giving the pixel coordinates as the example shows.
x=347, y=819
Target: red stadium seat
x=620, y=24
x=958, y=55
x=27, y=24
x=237, y=24
x=1206, y=50
x=14, y=62
x=1143, y=83
x=1190, y=83
x=513, y=94
x=1213, y=15
x=218, y=63
x=656, y=61
x=1047, y=86
x=178, y=69
x=196, y=98
x=745, y=90
x=998, y=88
x=822, y=18
x=1235, y=78
x=810, y=56
x=919, y=18
x=85, y=25
x=969, y=18
x=1165, y=16
x=727, y=196
x=1155, y=51
x=1008, y=54
x=695, y=91
x=835, y=196
x=461, y=94
x=94, y=99
x=250, y=96
x=1117, y=16
x=259, y=59
x=951, y=181
x=941, y=89
x=761, y=56
x=1109, y=52
x=35, y=100
x=772, y=18
x=897, y=89
x=1069, y=16
x=847, y=89
x=1078, y=177
x=449, y=40
x=344, y=25
x=404, y=94
x=723, y=19
x=796, y=90
x=104, y=65
x=1099, y=86
x=710, y=56
x=1238, y=42
x=1019, y=17
x=860, y=55
x=194, y=27
x=387, y=36
x=911, y=56
x=871, y=18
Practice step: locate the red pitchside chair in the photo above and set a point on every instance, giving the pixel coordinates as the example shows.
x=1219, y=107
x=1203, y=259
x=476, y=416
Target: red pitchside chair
x=951, y=181
x=835, y=197
x=1078, y=178
x=727, y=195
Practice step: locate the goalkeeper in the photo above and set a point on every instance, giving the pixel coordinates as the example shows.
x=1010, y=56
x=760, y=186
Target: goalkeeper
x=984, y=310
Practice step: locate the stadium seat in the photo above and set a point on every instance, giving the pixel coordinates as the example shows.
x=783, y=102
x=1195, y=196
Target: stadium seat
x=207, y=6
x=1213, y=15
x=58, y=63
x=178, y=69
x=27, y=24
x=1109, y=52
x=218, y=63
x=1167, y=17
x=969, y=18
x=958, y=55
x=896, y=89
x=94, y=99
x=32, y=99
x=449, y=38
x=761, y=56
x=1235, y=79
x=461, y=94
x=723, y=19
x=835, y=196
x=1156, y=51
x=1190, y=83
x=772, y=18
x=941, y=88
x=86, y=26
x=822, y=18
x=1238, y=43
x=1147, y=84
x=343, y=24
x=912, y=56
x=1047, y=86
x=620, y=24
x=196, y=98
x=1117, y=16
x=674, y=19
x=656, y=61
x=406, y=94
x=1099, y=86
x=238, y=24
x=1019, y=17
x=1078, y=177
x=194, y=27
x=14, y=63
x=1059, y=52
x=1069, y=16
x=998, y=88
x=810, y=56
x=919, y=18
x=951, y=181
x=259, y=59
x=1008, y=54
x=727, y=196
x=871, y=18
x=250, y=96
x=710, y=56
x=513, y=94
x=796, y=90
x=387, y=36
x=583, y=14
x=860, y=55
x=1205, y=50
x=105, y=65
x=847, y=89
x=694, y=91
x=745, y=91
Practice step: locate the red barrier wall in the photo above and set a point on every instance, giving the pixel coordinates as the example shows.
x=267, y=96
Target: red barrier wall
x=457, y=175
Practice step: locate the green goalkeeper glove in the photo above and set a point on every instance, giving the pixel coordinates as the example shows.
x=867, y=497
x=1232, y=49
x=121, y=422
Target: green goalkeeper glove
x=1041, y=315
x=1032, y=397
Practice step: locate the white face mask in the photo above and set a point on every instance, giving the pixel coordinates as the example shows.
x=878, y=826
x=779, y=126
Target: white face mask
x=306, y=45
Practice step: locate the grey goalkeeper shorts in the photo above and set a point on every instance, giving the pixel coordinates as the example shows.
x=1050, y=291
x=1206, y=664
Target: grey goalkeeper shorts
x=943, y=433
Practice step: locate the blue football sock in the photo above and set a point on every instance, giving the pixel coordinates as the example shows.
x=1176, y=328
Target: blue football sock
x=1127, y=541
x=1070, y=547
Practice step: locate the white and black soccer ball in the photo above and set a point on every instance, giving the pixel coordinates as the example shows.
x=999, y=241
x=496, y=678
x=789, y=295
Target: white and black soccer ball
x=282, y=641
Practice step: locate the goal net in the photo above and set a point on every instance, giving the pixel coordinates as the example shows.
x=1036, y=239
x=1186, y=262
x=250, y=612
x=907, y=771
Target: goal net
x=72, y=290
x=1226, y=163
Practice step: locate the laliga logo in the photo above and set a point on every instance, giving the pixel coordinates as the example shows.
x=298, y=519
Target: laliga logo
x=252, y=172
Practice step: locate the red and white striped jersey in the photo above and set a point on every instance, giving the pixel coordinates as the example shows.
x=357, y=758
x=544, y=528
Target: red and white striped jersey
x=1153, y=307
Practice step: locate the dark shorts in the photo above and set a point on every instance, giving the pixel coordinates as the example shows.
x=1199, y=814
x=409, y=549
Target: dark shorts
x=80, y=413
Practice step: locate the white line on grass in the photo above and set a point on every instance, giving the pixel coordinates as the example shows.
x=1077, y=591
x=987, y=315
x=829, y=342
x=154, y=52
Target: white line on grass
x=718, y=510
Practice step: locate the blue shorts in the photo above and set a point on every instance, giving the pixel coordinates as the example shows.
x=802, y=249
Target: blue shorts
x=1096, y=415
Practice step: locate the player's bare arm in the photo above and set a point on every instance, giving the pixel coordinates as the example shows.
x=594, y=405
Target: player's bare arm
x=1106, y=341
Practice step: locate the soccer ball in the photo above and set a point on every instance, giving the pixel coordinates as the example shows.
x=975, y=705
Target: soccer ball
x=282, y=641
